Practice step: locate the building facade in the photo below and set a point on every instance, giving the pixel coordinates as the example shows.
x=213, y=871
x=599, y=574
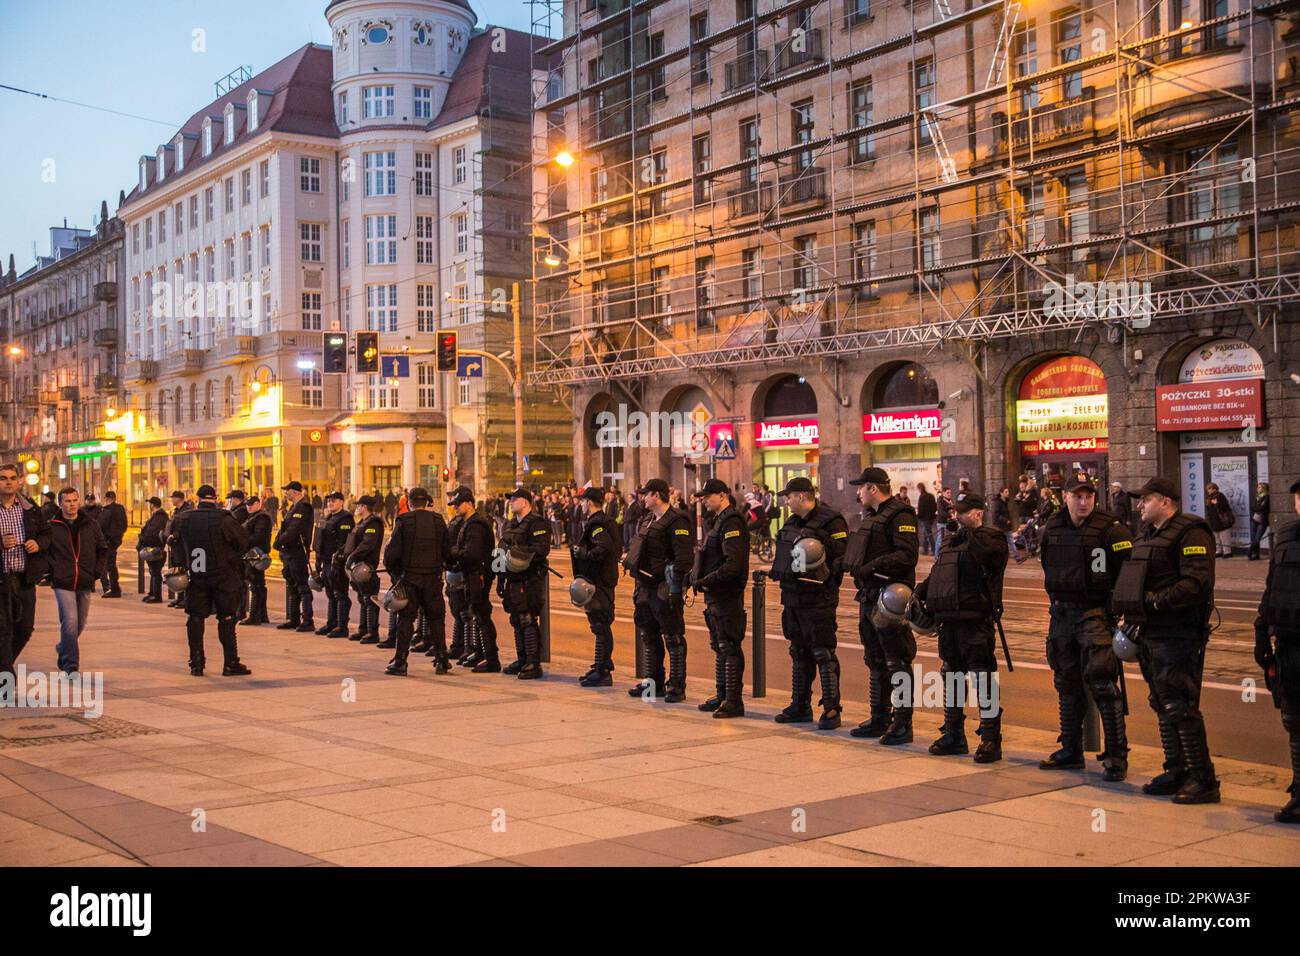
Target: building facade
x=61, y=328
x=958, y=240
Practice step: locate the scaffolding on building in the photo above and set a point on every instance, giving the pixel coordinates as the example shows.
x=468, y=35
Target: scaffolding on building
x=901, y=174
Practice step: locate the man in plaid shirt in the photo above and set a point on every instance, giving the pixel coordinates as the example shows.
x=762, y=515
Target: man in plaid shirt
x=24, y=543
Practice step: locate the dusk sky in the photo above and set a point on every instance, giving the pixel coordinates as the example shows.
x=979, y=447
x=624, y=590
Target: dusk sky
x=135, y=57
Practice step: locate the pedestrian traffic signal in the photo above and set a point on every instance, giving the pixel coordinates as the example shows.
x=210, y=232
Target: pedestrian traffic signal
x=447, y=351
x=335, y=359
x=367, y=351
x=446, y=472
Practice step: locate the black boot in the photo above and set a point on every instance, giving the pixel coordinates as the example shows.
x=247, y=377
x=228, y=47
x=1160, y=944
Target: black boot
x=258, y=611
x=1115, y=756
x=828, y=669
x=900, y=728
x=952, y=736
x=1291, y=812
x=390, y=642
x=652, y=682
x=880, y=707
x=1070, y=757
x=397, y=666
x=422, y=636
x=473, y=643
x=532, y=668
x=675, y=692
x=732, y=704
x=194, y=636
x=331, y=615
x=1169, y=782
x=515, y=666
x=990, y=734
x=457, y=649
x=230, y=650
x=599, y=675
x=719, y=683
x=800, y=709
x=370, y=615
x=1201, y=786
x=485, y=659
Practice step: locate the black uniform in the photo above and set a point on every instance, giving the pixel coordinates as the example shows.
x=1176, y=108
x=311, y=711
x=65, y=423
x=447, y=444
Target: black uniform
x=523, y=592
x=658, y=545
x=258, y=526
x=1080, y=567
x=808, y=603
x=883, y=551
x=595, y=557
x=240, y=514
x=213, y=544
x=151, y=536
x=1167, y=587
x=469, y=592
x=1279, y=619
x=293, y=541
x=112, y=522
x=363, y=545
x=964, y=594
x=175, y=557
x=416, y=557
x=330, y=536
x=721, y=572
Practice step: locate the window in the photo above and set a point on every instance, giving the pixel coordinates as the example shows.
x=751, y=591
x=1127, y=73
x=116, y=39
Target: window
x=230, y=124
x=209, y=201
x=461, y=223
x=801, y=127
x=424, y=174
x=1068, y=30
x=749, y=146
x=701, y=157
x=704, y=291
x=207, y=137
x=309, y=234
x=661, y=295
x=1077, y=218
x=246, y=245
x=859, y=10
x=923, y=89
x=178, y=219
x=308, y=174
x=1031, y=216
x=311, y=311
x=862, y=108
x=381, y=394
x=1213, y=191
x=458, y=165
x=347, y=244
x=426, y=309
x=381, y=308
x=424, y=102
x=313, y=392
x=343, y=109
x=928, y=227
x=264, y=241
x=381, y=174
x=246, y=187
x=864, y=256
x=230, y=258
x=381, y=240
x=751, y=273
x=1025, y=48
x=210, y=264
x=377, y=102
x=135, y=239
x=265, y=176
x=148, y=233
x=162, y=228
x=654, y=49
x=699, y=49
x=461, y=295
x=424, y=236
x=252, y=111
x=229, y=187
x=427, y=379
x=805, y=262
x=194, y=212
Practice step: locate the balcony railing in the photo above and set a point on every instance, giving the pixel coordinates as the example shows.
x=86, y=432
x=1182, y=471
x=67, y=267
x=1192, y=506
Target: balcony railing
x=106, y=338
x=749, y=200
x=105, y=291
x=139, y=371
x=803, y=186
x=744, y=70
x=1054, y=121
x=184, y=361
x=49, y=396
x=233, y=349
x=107, y=384
x=799, y=50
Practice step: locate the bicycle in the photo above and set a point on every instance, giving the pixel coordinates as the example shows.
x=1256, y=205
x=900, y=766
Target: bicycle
x=761, y=546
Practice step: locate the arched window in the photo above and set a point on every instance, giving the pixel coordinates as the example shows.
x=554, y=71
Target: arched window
x=194, y=402
x=178, y=404
x=789, y=397
x=230, y=397
x=209, y=396
x=908, y=386
x=162, y=409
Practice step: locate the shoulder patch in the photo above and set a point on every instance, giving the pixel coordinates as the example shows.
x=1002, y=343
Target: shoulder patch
x=371, y=530
x=685, y=531
x=731, y=534
x=1122, y=546
x=541, y=531
x=599, y=529
x=1195, y=549
x=907, y=527
x=839, y=534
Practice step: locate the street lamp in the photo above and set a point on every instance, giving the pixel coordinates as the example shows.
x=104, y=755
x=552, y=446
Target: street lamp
x=15, y=353
x=564, y=158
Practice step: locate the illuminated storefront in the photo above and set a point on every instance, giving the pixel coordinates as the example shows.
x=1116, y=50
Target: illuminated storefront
x=1062, y=420
x=902, y=426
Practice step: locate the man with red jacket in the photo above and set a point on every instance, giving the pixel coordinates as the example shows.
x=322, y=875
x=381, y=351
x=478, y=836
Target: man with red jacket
x=78, y=553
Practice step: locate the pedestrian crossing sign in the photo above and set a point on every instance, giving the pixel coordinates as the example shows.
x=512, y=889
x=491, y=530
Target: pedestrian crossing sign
x=724, y=449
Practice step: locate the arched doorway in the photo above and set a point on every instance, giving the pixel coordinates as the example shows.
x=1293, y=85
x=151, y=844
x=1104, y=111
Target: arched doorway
x=1062, y=420
x=604, y=446
x=901, y=425
x=785, y=432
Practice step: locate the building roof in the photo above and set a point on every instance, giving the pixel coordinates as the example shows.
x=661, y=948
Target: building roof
x=488, y=81
x=463, y=4
x=301, y=102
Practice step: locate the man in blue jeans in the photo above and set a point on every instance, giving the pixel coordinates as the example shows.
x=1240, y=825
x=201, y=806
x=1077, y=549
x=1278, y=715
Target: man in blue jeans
x=78, y=554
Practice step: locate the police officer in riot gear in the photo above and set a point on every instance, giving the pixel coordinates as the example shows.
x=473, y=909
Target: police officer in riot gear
x=239, y=511
x=1082, y=549
x=810, y=577
x=363, y=546
x=595, y=558
x=526, y=542
x=258, y=527
x=721, y=573
x=883, y=551
x=330, y=537
x=1167, y=587
x=964, y=595
x=212, y=544
x=469, y=585
x=293, y=541
x=416, y=557
x=180, y=505
x=151, y=537
x=659, y=558
x=1279, y=620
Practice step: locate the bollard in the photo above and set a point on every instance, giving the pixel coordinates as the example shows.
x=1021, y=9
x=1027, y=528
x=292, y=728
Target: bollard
x=758, y=641
x=1092, y=727
x=545, y=624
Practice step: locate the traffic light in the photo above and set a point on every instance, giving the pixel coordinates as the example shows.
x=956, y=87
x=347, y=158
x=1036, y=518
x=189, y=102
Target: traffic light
x=336, y=353
x=33, y=469
x=367, y=351
x=447, y=351
x=446, y=473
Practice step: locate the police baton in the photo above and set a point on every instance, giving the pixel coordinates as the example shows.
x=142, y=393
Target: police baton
x=1006, y=649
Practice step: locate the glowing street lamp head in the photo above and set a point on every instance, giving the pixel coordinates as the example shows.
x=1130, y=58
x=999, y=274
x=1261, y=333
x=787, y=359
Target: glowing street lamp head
x=256, y=386
x=551, y=259
x=306, y=364
x=564, y=158
x=15, y=351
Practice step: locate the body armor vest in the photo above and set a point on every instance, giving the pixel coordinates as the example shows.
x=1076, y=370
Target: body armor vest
x=605, y=575
x=519, y=534
x=204, y=551
x=651, y=550
x=1154, y=565
x=874, y=538
x=423, y=537
x=1281, y=604
x=1071, y=559
x=711, y=556
x=960, y=589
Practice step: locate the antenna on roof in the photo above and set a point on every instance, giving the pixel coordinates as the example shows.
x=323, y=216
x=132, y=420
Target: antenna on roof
x=232, y=79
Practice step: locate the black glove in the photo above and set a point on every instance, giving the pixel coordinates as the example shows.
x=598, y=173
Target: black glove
x=1149, y=600
x=1263, y=646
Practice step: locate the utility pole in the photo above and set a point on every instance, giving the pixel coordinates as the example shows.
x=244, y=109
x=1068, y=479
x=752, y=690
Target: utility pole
x=521, y=473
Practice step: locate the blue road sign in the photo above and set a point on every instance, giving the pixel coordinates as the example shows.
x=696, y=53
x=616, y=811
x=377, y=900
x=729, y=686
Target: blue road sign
x=470, y=366
x=395, y=366
x=725, y=448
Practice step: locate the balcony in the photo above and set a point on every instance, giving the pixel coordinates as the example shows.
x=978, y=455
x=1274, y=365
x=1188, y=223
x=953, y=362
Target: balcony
x=744, y=70
x=140, y=371
x=184, y=362
x=49, y=396
x=750, y=200
x=233, y=349
x=799, y=50
x=106, y=338
x=1052, y=122
x=290, y=341
x=105, y=291
x=1162, y=98
x=107, y=384
x=1218, y=256
x=807, y=185
x=70, y=394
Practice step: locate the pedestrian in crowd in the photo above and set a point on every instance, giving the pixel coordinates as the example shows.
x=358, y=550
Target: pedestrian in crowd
x=1258, y=520
x=1121, y=506
x=50, y=507
x=213, y=533
x=942, y=517
x=632, y=514
x=1000, y=514
x=926, y=511
x=390, y=507
x=271, y=505
x=92, y=509
x=903, y=496
x=25, y=538
x=152, y=549
x=1219, y=516
x=112, y=522
x=78, y=553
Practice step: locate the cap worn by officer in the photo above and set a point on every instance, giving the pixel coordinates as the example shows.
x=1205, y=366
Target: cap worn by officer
x=871, y=476
x=335, y=496
x=368, y=501
x=1079, y=484
x=594, y=494
x=460, y=496
x=801, y=485
x=206, y=491
x=236, y=495
x=971, y=501
x=178, y=496
x=714, y=486
x=292, y=486
x=522, y=493
x=156, y=501
x=657, y=485
x=1158, y=486
x=418, y=497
